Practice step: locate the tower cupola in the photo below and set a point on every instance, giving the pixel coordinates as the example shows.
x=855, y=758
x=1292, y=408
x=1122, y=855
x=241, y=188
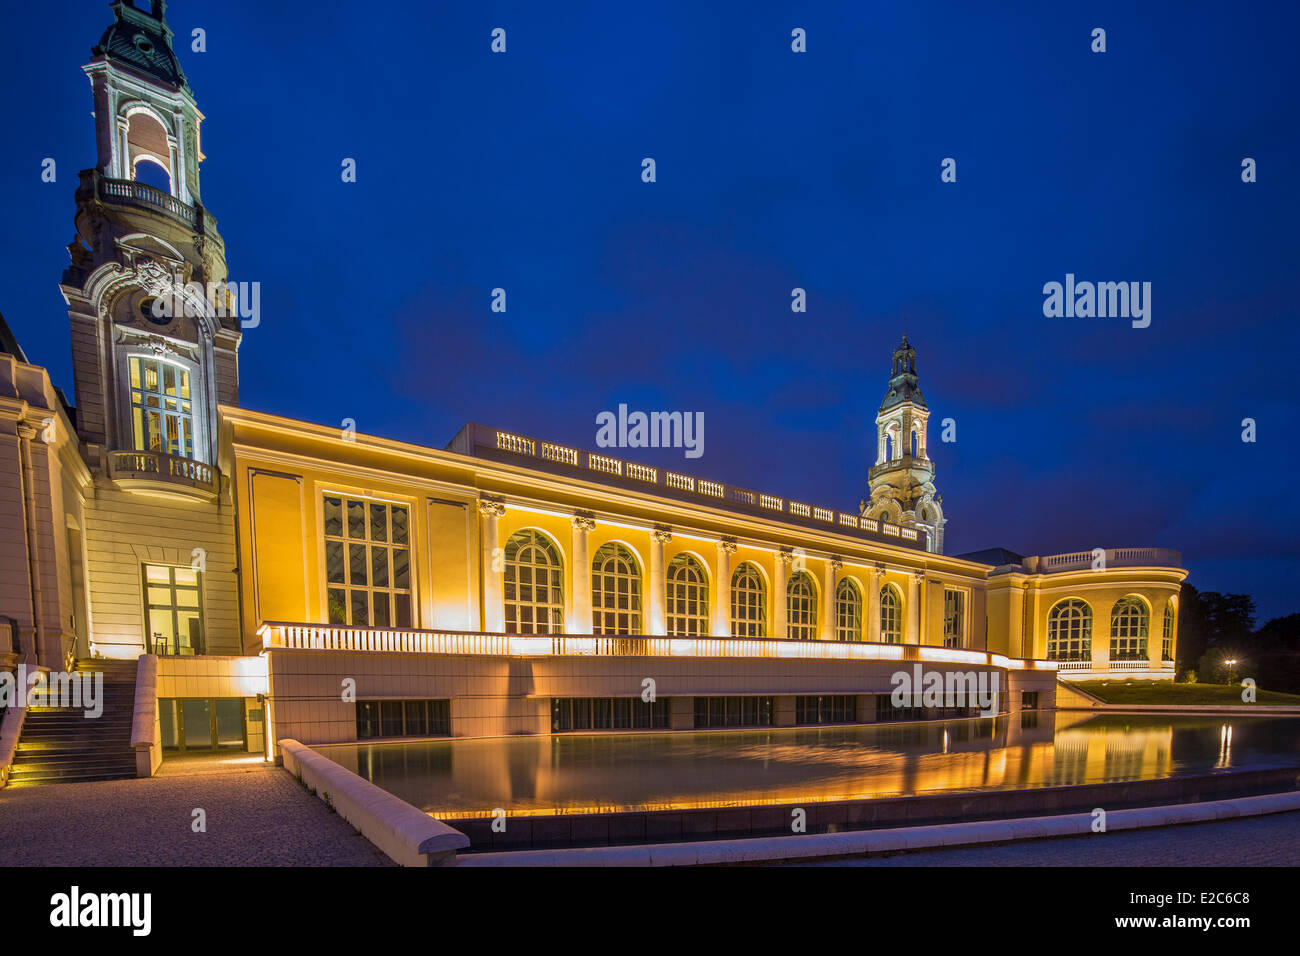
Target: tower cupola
x=902, y=479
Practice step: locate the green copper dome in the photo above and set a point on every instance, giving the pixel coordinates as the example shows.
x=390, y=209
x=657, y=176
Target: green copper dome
x=142, y=41
x=902, y=381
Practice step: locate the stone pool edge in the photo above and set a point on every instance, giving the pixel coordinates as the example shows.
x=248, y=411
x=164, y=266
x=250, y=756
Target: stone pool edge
x=863, y=842
x=409, y=837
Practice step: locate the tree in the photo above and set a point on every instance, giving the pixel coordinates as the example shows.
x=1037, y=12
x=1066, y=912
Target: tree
x=1212, y=628
x=1273, y=655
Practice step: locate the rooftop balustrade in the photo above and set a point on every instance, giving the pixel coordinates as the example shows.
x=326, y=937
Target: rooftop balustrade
x=499, y=445
x=1107, y=558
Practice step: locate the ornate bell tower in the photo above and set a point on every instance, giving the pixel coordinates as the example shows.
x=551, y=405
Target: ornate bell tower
x=155, y=340
x=154, y=347
x=902, y=479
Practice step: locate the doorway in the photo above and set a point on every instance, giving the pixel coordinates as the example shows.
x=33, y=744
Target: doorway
x=202, y=724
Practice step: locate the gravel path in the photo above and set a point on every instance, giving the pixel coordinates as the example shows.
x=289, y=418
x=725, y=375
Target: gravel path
x=1272, y=840
x=257, y=816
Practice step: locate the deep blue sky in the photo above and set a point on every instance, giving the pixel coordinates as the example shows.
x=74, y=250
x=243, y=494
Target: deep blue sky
x=775, y=170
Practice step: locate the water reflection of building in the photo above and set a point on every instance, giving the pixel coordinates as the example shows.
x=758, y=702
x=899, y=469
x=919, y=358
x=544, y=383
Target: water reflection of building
x=601, y=772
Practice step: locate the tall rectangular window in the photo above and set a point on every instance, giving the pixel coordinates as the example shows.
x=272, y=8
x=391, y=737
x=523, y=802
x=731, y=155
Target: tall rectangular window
x=954, y=618
x=173, y=609
x=367, y=562
x=162, y=412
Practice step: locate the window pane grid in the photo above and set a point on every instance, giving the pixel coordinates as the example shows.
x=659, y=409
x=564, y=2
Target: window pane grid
x=1128, y=630
x=687, y=598
x=954, y=618
x=748, y=602
x=1069, y=631
x=367, y=563
x=801, y=607
x=161, y=412
x=534, y=585
x=891, y=616
x=615, y=591
x=848, y=611
x=174, y=610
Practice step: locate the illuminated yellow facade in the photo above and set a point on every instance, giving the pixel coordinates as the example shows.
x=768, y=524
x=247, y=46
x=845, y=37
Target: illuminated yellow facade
x=504, y=584
x=706, y=589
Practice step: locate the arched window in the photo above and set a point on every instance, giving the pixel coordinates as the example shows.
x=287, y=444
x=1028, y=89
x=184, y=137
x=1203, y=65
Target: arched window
x=1128, y=630
x=162, y=410
x=687, y=598
x=615, y=591
x=848, y=611
x=891, y=615
x=1167, y=645
x=748, y=603
x=1069, y=631
x=534, y=585
x=801, y=607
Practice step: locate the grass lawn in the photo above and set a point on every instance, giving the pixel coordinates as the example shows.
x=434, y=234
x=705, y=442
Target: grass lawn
x=1166, y=692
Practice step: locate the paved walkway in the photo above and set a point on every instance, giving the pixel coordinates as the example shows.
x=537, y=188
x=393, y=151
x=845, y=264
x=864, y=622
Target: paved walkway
x=256, y=816
x=1254, y=841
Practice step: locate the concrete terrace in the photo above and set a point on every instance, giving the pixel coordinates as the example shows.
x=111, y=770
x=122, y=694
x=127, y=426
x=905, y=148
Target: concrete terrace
x=257, y=815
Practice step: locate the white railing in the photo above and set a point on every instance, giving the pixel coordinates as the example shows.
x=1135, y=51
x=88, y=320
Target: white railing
x=641, y=472
x=1108, y=558
x=559, y=453
x=515, y=443
x=1129, y=667
x=609, y=466
x=324, y=637
x=156, y=466
x=115, y=190
x=680, y=482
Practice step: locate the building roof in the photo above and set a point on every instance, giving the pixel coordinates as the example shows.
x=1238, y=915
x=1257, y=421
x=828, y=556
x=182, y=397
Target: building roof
x=9, y=344
x=142, y=41
x=903, y=387
x=998, y=557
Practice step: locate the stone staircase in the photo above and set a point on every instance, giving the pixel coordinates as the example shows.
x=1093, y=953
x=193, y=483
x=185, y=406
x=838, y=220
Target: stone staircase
x=61, y=745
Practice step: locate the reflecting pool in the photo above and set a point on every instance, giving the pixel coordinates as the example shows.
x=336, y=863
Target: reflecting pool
x=588, y=773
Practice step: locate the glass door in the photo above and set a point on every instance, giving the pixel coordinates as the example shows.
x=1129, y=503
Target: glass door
x=202, y=724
